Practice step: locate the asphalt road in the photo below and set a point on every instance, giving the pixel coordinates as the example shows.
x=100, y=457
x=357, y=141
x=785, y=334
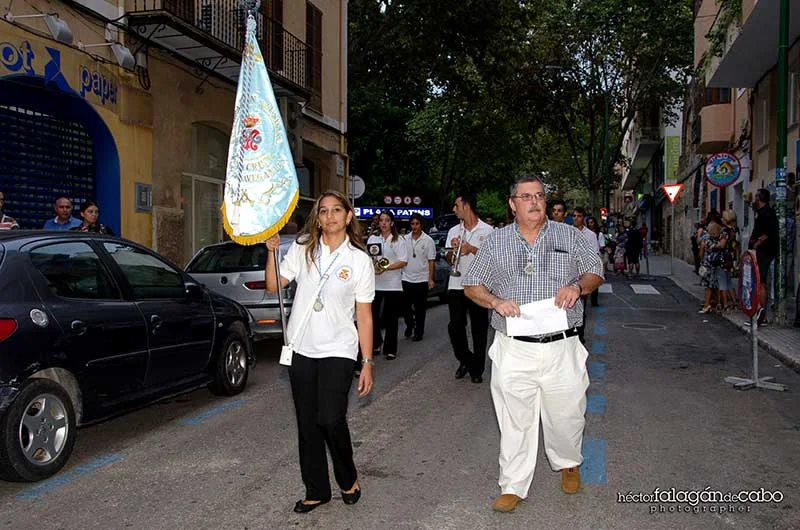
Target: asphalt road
x=659, y=416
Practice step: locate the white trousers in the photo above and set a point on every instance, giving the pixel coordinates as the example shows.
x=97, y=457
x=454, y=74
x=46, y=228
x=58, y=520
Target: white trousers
x=532, y=381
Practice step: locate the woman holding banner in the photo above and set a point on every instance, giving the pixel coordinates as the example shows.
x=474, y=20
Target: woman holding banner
x=328, y=252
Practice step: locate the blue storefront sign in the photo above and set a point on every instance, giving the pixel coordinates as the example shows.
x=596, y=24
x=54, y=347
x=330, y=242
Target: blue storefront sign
x=399, y=212
x=749, y=283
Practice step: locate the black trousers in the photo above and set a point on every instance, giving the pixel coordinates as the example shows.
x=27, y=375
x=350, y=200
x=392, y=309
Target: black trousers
x=320, y=388
x=416, y=305
x=392, y=303
x=459, y=306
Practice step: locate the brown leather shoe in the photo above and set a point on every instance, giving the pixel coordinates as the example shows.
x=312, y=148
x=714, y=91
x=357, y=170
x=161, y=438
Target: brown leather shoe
x=506, y=502
x=570, y=480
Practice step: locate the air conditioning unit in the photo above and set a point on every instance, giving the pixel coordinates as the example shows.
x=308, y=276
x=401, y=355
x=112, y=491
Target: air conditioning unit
x=292, y=115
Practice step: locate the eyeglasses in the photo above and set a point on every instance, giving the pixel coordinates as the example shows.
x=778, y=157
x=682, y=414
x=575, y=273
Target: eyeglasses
x=527, y=197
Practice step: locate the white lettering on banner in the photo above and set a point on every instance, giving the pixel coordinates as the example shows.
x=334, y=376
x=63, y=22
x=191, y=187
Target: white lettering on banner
x=99, y=85
x=402, y=213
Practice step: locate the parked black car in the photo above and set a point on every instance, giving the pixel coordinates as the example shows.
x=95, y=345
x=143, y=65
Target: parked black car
x=91, y=325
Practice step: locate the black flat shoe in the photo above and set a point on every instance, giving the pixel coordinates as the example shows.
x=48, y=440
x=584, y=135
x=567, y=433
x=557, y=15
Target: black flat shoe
x=351, y=498
x=302, y=507
x=477, y=379
x=462, y=371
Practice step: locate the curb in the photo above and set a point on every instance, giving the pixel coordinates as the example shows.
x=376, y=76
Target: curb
x=783, y=357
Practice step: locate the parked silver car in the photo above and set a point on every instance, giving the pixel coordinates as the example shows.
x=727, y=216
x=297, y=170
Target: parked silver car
x=237, y=271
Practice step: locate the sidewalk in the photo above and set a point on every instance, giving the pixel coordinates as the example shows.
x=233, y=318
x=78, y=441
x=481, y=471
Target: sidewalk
x=781, y=343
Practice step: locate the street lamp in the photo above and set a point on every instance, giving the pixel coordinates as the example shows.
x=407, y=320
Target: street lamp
x=58, y=28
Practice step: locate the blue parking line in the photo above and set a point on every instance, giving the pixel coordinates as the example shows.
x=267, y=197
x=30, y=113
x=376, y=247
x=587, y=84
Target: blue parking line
x=595, y=404
x=600, y=320
x=597, y=371
x=69, y=476
x=600, y=309
x=593, y=469
x=203, y=416
x=598, y=347
x=600, y=329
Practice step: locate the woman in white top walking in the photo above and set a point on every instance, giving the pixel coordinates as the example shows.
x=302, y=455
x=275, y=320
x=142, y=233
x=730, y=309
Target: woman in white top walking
x=330, y=251
x=388, y=284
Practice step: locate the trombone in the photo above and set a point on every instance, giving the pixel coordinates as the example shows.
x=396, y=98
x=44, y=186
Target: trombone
x=455, y=260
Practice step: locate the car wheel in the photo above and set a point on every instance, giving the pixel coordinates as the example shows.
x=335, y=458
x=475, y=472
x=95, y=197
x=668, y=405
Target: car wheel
x=231, y=367
x=37, y=432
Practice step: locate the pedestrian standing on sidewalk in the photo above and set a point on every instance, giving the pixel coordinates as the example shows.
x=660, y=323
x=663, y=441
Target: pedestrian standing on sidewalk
x=418, y=277
x=321, y=372
x=578, y=221
x=713, y=251
x=388, y=303
x=90, y=213
x=6, y=222
x=535, y=377
x=764, y=240
x=63, y=219
x=469, y=235
x=696, y=247
x=732, y=252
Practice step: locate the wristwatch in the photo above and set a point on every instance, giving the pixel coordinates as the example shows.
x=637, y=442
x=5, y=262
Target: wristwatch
x=368, y=361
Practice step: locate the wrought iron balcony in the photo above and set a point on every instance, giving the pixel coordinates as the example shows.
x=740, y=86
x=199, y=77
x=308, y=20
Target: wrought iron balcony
x=211, y=34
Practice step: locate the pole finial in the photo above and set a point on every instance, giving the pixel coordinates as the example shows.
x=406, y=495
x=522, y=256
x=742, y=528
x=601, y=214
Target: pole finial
x=251, y=6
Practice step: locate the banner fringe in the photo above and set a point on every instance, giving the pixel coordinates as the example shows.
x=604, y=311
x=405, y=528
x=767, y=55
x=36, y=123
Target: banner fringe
x=261, y=237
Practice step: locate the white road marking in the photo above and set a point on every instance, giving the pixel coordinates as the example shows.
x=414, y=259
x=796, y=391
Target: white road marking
x=606, y=288
x=644, y=289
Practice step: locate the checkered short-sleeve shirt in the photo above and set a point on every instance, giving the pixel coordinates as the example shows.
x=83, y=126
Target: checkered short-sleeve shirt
x=559, y=255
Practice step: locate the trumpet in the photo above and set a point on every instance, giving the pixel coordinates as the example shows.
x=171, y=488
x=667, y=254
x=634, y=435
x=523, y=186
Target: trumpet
x=457, y=258
x=380, y=264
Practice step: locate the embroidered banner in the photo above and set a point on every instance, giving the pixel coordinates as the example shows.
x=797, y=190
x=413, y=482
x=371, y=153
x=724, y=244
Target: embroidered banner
x=261, y=188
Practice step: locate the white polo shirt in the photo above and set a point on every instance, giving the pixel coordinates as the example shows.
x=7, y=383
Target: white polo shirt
x=474, y=237
x=394, y=251
x=330, y=332
x=425, y=250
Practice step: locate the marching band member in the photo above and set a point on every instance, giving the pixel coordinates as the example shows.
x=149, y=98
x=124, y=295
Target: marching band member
x=388, y=284
x=321, y=372
x=465, y=239
x=418, y=277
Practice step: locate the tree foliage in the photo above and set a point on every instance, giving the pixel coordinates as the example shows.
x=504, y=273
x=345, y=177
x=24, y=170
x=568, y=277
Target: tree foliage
x=469, y=93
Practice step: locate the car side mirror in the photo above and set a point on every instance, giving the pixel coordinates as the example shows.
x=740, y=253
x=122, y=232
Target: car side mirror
x=195, y=290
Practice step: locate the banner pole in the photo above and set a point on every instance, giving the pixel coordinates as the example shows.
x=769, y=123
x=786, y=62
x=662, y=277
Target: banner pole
x=276, y=255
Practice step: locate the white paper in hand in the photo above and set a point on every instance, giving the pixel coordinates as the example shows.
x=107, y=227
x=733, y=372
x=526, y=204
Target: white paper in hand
x=537, y=318
x=286, y=356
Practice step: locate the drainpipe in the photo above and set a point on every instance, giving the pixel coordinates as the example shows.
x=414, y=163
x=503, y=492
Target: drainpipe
x=780, y=166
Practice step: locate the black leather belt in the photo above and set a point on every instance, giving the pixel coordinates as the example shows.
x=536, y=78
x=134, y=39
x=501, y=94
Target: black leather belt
x=549, y=338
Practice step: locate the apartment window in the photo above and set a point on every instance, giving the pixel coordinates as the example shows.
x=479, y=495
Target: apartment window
x=763, y=136
x=314, y=55
x=273, y=34
x=793, y=103
x=717, y=96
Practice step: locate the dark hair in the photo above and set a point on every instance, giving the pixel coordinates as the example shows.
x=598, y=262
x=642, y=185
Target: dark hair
x=524, y=179
x=415, y=217
x=763, y=195
x=394, y=231
x=469, y=197
x=88, y=204
x=579, y=210
x=559, y=201
x=713, y=216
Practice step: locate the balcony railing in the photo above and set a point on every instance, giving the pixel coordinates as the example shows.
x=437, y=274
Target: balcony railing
x=284, y=54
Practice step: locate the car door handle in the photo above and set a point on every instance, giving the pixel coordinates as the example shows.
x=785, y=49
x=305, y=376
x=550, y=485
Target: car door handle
x=155, y=322
x=78, y=326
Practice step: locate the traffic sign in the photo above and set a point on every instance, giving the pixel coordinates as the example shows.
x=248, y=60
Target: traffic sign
x=406, y=200
x=417, y=200
x=356, y=187
x=398, y=200
x=672, y=191
x=387, y=199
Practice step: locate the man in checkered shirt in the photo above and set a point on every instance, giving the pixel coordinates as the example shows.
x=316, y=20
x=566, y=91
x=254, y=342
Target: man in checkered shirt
x=535, y=377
